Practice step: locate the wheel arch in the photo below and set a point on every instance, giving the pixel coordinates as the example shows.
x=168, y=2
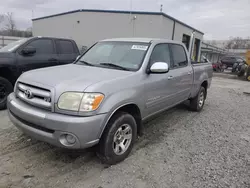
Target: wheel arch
x=130, y=108
x=6, y=73
x=205, y=85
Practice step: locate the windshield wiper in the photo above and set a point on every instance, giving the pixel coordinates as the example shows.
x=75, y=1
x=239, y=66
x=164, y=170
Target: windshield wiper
x=86, y=63
x=115, y=66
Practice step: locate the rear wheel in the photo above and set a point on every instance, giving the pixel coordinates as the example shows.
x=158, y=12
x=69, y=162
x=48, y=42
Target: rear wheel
x=5, y=89
x=197, y=103
x=118, y=138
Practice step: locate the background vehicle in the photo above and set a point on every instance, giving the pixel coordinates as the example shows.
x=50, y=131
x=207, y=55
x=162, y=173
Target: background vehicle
x=218, y=67
x=32, y=53
x=107, y=93
x=229, y=61
x=242, y=69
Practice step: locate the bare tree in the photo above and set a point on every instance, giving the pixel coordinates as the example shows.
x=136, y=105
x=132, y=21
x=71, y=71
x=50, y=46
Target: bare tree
x=212, y=42
x=237, y=43
x=10, y=25
x=1, y=19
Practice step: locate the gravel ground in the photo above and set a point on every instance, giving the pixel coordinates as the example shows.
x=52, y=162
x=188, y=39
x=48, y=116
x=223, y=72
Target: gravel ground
x=179, y=149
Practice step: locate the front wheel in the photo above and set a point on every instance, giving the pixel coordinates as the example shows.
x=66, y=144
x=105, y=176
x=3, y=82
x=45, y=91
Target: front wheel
x=5, y=89
x=118, y=138
x=197, y=103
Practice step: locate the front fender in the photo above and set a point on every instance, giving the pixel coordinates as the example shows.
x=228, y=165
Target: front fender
x=117, y=100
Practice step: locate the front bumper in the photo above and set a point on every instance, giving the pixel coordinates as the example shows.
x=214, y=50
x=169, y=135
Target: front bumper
x=50, y=127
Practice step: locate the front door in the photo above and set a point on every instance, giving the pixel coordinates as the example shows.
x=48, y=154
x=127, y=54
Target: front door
x=158, y=87
x=44, y=56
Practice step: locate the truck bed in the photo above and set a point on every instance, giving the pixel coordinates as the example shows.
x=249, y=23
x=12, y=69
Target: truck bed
x=202, y=72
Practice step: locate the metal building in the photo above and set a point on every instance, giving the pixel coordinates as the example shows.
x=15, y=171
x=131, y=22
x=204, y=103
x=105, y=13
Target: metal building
x=213, y=53
x=88, y=26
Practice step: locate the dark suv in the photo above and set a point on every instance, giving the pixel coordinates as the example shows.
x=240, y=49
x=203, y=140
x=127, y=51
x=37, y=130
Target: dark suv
x=32, y=53
x=229, y=61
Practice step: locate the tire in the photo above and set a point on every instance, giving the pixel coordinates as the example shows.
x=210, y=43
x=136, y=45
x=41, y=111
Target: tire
x=5, y=89
x=195, y=103
x=107, y=149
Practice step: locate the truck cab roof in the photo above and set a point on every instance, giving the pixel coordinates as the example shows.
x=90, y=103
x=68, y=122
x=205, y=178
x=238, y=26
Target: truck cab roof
x=146, y=40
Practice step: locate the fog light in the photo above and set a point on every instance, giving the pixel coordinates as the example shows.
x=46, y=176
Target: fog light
x=70, y=139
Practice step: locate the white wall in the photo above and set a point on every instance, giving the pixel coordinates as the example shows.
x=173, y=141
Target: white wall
x=95, y=26
x=167, y=28
x=181, y=29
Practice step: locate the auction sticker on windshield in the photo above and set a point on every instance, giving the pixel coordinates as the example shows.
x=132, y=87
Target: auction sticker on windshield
x=139, y=47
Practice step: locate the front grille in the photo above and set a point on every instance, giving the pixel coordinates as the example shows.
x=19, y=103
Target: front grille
x=32, y=125
x=33, y=95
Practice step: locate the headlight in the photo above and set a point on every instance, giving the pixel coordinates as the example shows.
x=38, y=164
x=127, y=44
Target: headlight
x=85, y=102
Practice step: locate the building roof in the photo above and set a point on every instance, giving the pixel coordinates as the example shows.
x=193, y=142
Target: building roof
x=121, y=12
x=210, y=48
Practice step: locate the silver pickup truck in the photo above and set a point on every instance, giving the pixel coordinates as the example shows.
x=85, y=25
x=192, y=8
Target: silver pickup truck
x=104, y=97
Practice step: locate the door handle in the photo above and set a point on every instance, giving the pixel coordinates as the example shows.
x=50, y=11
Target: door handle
x=170, y=77
x=189, y=73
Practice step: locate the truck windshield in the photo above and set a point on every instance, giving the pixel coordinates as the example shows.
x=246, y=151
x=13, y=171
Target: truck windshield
x=12, y=46
x=115, y=55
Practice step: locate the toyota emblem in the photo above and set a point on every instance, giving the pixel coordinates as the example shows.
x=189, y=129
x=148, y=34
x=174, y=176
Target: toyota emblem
x=28, y=94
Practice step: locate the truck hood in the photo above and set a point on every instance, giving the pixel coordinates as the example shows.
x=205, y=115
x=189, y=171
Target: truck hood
x=71, y=77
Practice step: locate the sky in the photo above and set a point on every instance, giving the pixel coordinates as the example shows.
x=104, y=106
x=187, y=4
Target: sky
x=218, y=19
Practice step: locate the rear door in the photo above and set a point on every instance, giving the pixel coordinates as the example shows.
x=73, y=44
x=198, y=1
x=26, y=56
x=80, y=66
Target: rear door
x=44, y=56
x=181, y=73
x=67, y=51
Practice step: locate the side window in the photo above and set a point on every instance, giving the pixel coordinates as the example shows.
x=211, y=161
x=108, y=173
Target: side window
x=160, y=53
x=179, y=56
x=42, y=46
x=65, y=47
x=186, y=40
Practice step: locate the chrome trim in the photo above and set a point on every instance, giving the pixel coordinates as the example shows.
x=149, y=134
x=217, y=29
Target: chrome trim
x=33, y=101
x=34, y=90
x=38, y=97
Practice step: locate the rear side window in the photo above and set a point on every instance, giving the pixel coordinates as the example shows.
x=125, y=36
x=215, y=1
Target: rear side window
x=160, y=53
x=228, y=59
x=179, y=56
x=65, y=47
x=43, y=46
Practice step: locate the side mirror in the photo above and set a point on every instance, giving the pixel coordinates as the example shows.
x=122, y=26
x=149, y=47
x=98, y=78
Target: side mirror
x=28, y=50
x=159, y=67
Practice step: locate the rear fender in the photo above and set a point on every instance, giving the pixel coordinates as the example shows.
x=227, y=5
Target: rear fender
x=198, y=82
